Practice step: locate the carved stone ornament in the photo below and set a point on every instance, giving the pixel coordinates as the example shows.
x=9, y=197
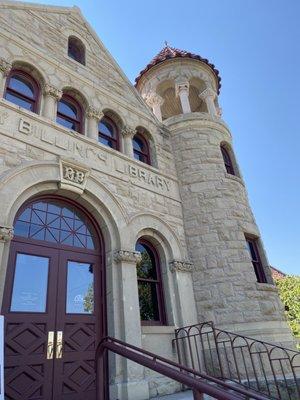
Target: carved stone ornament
x=127, y=256
x=53, y=92
x=73, y=176
x=6, y=233
x=181, y=266
x=127, y=131
x=207, y=93
x=92, y=112
x=5, y=66
x=181, y=87
x=154, y=99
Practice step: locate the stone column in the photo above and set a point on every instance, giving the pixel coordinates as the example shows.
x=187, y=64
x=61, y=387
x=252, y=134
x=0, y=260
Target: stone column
x=208, y=95
x=6, y=235
x=182, y=90
x=51, y=96
x=5, y=68
x=155, y=102
x=134, y=386
x=93, y=117
x=183, y=283
x=128, y=134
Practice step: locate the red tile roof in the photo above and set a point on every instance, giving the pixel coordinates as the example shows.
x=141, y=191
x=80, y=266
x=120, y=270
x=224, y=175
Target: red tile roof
x=170, y=52
x=276, y=273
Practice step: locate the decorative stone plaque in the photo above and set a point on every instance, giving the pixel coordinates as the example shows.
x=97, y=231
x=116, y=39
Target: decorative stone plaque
x=73, y=176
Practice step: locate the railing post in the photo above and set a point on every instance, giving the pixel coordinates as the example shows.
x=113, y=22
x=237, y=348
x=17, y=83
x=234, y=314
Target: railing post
x=101, y=373
x=197, y=395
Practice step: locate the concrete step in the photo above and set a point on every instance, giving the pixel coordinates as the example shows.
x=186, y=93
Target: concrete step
x=187, y=395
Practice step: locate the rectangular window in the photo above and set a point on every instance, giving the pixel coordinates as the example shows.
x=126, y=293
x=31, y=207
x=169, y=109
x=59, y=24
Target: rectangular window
x=252, y=244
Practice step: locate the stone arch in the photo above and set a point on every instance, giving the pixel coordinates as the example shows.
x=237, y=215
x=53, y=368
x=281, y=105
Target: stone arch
x=197, y=86
x=38, y=178
x=171, y=104
x=117, y=119
x=26, y=65
x=78, y=95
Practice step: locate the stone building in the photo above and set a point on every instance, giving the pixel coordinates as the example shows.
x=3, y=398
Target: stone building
x=123, y=209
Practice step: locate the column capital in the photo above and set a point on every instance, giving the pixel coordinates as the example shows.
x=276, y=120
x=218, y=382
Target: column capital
x=207, y=93
x=154, y=99
x=95, y=113
x=127, y=256
x=5, y=66
x=6, y=233
x=52, y=91
x=182, y=86
x=128, y=131
x=181, y=266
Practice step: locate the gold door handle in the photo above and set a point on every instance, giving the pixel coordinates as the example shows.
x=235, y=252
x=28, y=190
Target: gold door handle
x=59, y=344
x=50, y=345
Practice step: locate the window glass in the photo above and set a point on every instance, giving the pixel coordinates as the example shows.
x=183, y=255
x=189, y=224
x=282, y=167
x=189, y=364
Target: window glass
x=146, y=268
x=28, y=105
x=30, y=283
x=106, y=128
x=55, y=222
x=148, y=301
x=66, y=108
x=138, y=144
x=66, y=123
x=80, y=288
x=21, y=85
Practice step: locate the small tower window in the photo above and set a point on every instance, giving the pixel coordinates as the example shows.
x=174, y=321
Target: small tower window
x=69, y=113
x=150, y=288
x=108, y=133
x=141, y=149
x=256, y=260
x=227, y=161
x=22, y=90
x=76, y=50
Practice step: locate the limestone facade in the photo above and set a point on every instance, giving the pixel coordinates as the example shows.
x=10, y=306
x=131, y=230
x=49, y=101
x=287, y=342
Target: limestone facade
x=193, y=212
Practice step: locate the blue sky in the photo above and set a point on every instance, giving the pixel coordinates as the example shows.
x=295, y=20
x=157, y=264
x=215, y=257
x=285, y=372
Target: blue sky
x=255, y=44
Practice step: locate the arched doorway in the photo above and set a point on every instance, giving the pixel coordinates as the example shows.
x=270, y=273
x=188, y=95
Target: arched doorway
x=53, y=302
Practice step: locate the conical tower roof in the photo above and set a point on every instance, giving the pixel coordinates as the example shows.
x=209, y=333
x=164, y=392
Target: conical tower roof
x=168, y=53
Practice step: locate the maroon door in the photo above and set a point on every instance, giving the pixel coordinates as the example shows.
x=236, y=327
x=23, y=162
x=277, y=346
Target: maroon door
x=52, y=322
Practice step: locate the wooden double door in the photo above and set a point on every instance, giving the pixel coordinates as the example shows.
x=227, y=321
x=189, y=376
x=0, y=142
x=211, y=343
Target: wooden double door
x=52, y=307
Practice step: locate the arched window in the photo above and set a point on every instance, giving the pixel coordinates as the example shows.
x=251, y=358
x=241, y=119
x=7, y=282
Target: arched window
x=152, y=310
x=76, y=50
x=141, y=149
x=69, y=113
x=108, y=133
x=227, y=161
x=22, y=90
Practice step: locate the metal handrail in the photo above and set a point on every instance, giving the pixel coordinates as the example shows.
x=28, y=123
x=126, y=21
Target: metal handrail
x=199, y=382
x=264, y=367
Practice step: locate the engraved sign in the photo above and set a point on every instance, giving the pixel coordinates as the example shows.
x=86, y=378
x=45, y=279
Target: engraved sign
x=73, y=176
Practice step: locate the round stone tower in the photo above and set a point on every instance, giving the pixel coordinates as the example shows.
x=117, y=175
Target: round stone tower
x=233, y=285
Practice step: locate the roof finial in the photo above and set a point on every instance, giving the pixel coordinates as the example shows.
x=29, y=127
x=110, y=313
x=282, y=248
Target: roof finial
x=166, y=44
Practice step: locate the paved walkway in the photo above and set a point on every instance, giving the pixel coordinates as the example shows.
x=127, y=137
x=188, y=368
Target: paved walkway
x=177, y=396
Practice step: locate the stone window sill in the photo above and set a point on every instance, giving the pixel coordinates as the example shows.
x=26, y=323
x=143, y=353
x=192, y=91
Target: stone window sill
x=158, y=329
x=234, y=178
x=266, y=286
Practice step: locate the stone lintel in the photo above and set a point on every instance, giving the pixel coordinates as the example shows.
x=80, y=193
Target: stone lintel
x=181, y=266
x=6, y=233
x=127, y=256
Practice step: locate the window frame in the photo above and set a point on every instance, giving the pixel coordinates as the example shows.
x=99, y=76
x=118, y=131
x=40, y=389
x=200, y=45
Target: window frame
x=76, y=42
x=227, y=159
x=254, y=252
x=144, y=154
x=159, y=287
x=79, y=122
x=116, y=139
x=36, y=87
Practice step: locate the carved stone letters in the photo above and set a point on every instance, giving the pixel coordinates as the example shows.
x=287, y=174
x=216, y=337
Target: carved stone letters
x=73, y=176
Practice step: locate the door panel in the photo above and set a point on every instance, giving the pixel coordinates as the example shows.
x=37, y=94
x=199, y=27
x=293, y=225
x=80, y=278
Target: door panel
x=29, y=316
x=78, y=320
